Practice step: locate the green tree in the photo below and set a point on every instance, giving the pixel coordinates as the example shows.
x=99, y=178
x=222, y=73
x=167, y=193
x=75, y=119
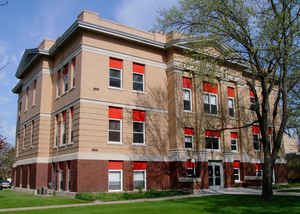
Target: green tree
x=263, y=35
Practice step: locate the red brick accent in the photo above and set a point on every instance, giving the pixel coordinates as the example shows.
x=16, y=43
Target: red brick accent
x=228, y=174
x=127, y=175
x=281, y=173
x=158, y=175
x=41, y=175
x=92, y=175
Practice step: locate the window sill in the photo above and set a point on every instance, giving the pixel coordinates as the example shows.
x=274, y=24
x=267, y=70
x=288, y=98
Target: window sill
x=112, y=142
x=213, y=150
x=238, y=182
x=139, y=144
x=115, y=88
x=187, y=111
x=234, y=151
x=138, y=92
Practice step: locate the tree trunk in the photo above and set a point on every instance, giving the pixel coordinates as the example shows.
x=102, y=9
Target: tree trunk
x=267, y=193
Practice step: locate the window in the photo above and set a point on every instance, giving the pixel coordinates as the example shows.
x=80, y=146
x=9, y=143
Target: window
x=236, y=171
x=69, y=177
x=210, y=98
x=32, y=132
x=115, y=176
x=230, y=92
x=259, y=169
x=234, y=141
x=71, y=131
x=139, y=175
x=73, y=71
x=34, y=93
x=25, y=136
x=61, y=180
x=187, y=93
x=115, y=73
x=188, y=138
x=66, y=77
x=58, y=84
x=212, y=140
x=138, y=77
x=27, y=99
x=252, y=101
x=54, y=177
x=64, y=128
x=255, y=134
x=115, y=125
x=138, y=118
x=57, y=125
x=191, y=168
x=20, y=110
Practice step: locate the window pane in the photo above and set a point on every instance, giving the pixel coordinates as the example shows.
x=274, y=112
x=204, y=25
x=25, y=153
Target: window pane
x=213, y=99
x=138, y=138
x=231, y=112
x=115, y=82
x=187, y=105
x=138, y=86
x=188, y=142
x=114, y=180
x=115, y=73
x=114, y=136
x=230, y=103
x=138, y=78
x=215, y=143
x=206, y=108
x=138, y=127
x=208, y=143
x=214, y=109
x=139, y=179
x=186, y=95
x=206, y=98
x=114, y=125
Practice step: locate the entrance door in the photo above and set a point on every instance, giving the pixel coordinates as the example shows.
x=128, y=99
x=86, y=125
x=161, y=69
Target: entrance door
x=215, y=175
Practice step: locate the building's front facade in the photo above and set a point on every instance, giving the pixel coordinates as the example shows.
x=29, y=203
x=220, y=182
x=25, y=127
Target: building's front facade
x=105, y=108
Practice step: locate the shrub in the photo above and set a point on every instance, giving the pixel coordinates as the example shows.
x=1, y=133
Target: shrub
x=87, y=196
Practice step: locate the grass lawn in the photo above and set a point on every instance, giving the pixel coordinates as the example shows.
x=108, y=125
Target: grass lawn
x=11, y=199
x=223, y=204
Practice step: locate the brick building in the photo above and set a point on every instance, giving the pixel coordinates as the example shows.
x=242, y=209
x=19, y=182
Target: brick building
x=106, y=108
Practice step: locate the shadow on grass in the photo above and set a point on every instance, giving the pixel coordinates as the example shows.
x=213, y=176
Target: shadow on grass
x=243, y=204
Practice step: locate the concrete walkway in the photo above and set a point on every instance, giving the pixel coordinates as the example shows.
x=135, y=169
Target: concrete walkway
x=202, y=193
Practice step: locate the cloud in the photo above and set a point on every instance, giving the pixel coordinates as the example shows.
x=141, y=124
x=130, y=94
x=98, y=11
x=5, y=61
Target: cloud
x=8, y=131
x=141, y=14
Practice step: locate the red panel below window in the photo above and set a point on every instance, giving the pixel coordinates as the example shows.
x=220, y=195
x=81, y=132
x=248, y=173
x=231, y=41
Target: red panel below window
x=188, y=131
x=212, y=133
x=186, y=83
x=138, y=68
x=251, y=93
x=259, y=166
x=210, y=88
x=236, y=164
x=115, y=113
x=190, y=164
x=255, y=129
x=139, y=165
x=230, y=92
x=269, y=131
x=138, y=115
x=234, y=135
x=116, y=63
x=115, y=165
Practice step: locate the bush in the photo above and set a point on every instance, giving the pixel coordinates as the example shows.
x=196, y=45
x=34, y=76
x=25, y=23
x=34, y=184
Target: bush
x=87, y=196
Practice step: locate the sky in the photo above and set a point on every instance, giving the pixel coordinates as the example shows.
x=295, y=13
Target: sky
x=25, y=23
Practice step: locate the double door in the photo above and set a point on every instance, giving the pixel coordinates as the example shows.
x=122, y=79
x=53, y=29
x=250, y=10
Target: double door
x=215, y=175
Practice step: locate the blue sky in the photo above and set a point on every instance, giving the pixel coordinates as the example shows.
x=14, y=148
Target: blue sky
x=24, y=23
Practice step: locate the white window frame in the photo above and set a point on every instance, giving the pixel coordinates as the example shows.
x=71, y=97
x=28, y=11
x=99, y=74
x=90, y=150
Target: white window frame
x=219, y=144
x=145, y=176
x=191, y=104
x=144, y=133
x=187, y=135
x=209, y=102
x=70, y=128
x=65, y=78
x=233, y=105
x=121, y=79
x=239, y=174
x=135, y=81
x=255, y=150
x=121, y=173
x=236, y=142
x=115, y=142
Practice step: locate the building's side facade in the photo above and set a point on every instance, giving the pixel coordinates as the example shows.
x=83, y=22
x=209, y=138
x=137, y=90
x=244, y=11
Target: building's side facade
x=105, y=108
